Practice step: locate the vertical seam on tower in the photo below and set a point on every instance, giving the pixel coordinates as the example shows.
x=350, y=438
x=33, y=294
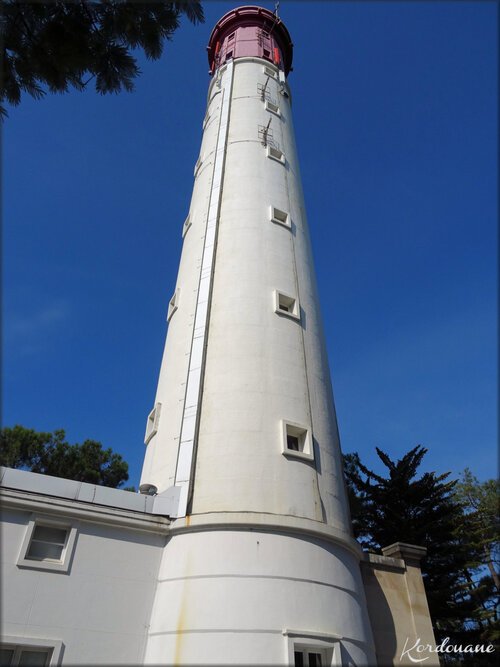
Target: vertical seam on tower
x=191, y=414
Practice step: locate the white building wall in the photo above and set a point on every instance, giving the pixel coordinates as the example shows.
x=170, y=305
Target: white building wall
x=99, y=609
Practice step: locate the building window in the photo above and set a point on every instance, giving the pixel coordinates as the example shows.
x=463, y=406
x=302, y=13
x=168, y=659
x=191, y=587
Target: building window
x=273, y=108
x=231, y=37
x=187, y=224
x=313, y=649
x=48, y=544
x=296, y=441
x=197, y=166
x=275, y=154
x=173, y=304
x=229, y=55
x=280, y=217
x=267, y=53
x=284, y=304
x=24, y=651
x=309, y=657
x=18, y=655
x=152, y=423
x=270, y=72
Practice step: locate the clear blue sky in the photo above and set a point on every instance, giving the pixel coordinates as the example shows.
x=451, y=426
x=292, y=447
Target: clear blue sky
x=395, y=113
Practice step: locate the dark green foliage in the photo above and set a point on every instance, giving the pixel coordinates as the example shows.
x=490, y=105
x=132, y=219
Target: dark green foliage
x=50, y=454
x=480, y=523
x=56, y=45
x=422, y=511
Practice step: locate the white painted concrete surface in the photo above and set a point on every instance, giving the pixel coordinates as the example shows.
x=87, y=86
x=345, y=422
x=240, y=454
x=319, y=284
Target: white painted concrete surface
x=266, y=544
x=98, y=610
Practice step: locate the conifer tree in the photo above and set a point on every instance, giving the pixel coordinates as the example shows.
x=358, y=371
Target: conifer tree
x=480, y=523
x=418, y=510
x=50, y=454
x=55, y=45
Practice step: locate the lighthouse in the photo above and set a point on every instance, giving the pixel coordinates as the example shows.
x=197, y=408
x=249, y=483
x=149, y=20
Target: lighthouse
x=260, y=565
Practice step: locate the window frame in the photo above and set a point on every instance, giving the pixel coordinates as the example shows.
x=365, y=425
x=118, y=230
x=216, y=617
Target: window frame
x=303, y=433
x=186, y=225
x=276, y=110
x=20, y=644
x=272, y=154
x=61, y=566
x=294, y=314
x=270, y=72
x=173, y=304
x=274, y=214
x=152, y=423
x=314, y=642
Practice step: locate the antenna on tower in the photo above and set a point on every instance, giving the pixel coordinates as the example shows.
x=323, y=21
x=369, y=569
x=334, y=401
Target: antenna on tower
x=277, y=4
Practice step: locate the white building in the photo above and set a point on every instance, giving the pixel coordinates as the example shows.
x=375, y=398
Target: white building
x=239, y=549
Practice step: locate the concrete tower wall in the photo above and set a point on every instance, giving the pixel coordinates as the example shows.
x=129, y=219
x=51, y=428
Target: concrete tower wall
x=260, y=558
x=265, y=557
x=264, y=367
x=237, y=596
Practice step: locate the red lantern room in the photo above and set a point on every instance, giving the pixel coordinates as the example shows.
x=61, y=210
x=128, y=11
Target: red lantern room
x=250, y=31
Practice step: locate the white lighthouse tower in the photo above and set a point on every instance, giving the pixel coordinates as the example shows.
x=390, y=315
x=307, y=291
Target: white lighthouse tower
x=260, y=566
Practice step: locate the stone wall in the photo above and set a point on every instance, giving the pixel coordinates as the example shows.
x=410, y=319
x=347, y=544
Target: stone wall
x=397, y=605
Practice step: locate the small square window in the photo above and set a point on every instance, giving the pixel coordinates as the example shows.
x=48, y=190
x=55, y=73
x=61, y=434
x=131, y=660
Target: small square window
x=270, y=72
x=152, y=423
x=173, y=304
x=266, y=53
x=284, y=304
x=231, y=37
x=280, y=217
x=275, y=154
x=297, y=441
x=229, y=54
x=273, y=108
x=187, y=224
x=48, y=544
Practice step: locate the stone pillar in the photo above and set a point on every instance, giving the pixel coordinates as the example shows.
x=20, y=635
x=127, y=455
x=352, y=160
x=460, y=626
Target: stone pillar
x=397, y=605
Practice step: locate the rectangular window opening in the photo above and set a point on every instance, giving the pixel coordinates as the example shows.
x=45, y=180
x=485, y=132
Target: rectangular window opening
x=273, y=108
x=47, y=543
x=30, y=653
x=197, y=166
x=186, y=226
x=267, y=53
x=310, y=657
x=284, y=303
x=27, y=657
x=152, y=423
x=270, y=72
x=173, y=305
x=280, y=217
x=297, y=441
x=275, y=154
